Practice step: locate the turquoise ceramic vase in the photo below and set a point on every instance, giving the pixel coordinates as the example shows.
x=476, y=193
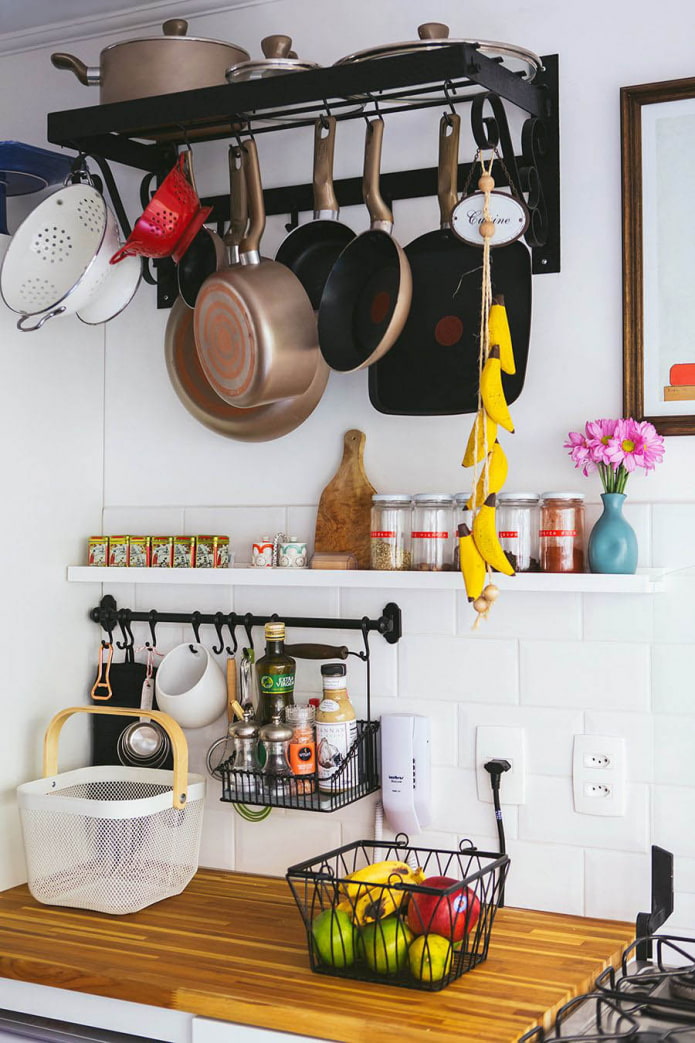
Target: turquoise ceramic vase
x=612, y=543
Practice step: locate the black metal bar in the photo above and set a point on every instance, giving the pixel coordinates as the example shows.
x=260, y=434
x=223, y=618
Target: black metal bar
x=662, y=902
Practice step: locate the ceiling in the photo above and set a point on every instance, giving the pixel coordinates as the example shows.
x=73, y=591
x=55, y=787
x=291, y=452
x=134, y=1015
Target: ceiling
x=33, y=14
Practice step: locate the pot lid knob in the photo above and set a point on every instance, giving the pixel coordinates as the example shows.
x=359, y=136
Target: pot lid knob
x=433, y=31
x=175, y=27
x=276, y=46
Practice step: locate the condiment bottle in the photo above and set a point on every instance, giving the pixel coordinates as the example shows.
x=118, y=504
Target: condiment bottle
x=275, y=671
x=390, y=531
x=517, y=528
x=561, y=534
x=336, y=730
x=302, y=748
x=432, y=532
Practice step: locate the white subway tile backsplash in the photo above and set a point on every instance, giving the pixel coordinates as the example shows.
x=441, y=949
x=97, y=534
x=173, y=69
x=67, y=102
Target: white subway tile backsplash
x=548, y=734
x=682, y=920
x=457, y=809
x=674, y=611
x=545, y=876
x=217, y=841
x=526, y=615
x=673, y=526
x=422, y=611
x=549, y=817
x=618, y=884
x=672, y=819
x=455, y=668
x=284, y=839
x=617, y=617
x=638, y=731
x=673, y=670
x=585, y=674
x=243, y=525
x=639, y=516
x=674, y=750
x=684, y=874
x=143, y=521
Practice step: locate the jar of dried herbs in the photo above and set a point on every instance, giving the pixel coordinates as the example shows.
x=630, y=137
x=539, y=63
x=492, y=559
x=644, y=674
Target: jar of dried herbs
x=390, y=531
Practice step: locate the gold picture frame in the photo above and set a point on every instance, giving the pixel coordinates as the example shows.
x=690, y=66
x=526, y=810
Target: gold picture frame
x=658, y=142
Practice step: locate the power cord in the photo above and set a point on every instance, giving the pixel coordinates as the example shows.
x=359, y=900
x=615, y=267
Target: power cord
x=496, y=769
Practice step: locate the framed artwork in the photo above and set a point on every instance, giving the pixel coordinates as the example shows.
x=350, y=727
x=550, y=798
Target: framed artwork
x=658, y=189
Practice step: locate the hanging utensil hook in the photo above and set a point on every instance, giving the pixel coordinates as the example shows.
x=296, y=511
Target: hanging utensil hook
x=218, y=622
x=449, y=89
x=124, y=623
x=248, y=623
x=152, y=618
x=231, y=623
x=195, y=623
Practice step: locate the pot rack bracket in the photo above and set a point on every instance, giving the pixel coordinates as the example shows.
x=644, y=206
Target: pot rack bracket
x=147, y=132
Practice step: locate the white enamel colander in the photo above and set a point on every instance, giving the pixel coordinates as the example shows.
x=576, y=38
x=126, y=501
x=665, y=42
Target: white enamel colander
x=58, y=259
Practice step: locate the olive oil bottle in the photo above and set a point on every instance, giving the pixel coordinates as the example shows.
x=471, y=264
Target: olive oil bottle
x=275, y=671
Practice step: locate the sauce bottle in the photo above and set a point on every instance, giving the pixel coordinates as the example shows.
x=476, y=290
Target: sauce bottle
x=275, y=671
x=336, y=730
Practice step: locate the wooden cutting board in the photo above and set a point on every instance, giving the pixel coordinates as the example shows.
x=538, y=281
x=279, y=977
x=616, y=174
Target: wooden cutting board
x=343, y=516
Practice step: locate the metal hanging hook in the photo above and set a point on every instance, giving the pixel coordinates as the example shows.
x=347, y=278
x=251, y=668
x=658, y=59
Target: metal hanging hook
x=195, y=623
x=231, y=623
x=124, y=623
x=248, y=624
x=449, y=89
x=218, y=623
x=152, y=620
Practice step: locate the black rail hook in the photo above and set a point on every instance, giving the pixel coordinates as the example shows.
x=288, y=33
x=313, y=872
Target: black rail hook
x=195, y=623
x=218, y=622
x=231, y=623
x=124, y=624
x=449, y=89
x=152, y=618
x=248, y=624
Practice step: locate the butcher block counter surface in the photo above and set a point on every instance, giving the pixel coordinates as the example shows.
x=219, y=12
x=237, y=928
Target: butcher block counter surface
x=233, y=947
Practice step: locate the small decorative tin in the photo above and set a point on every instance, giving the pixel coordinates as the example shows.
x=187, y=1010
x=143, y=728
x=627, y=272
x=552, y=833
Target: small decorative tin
x=119, y=551
x=262, y=553
x=139, y=556
x=292, y=554
x=205, y=552
x=98, y=553
x=221, y=552
x=184, y=552
x=162, y=552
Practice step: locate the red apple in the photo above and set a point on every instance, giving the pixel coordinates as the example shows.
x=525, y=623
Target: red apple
x=451, y=916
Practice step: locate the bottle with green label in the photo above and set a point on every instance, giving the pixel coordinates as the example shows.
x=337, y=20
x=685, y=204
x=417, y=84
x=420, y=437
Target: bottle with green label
x=275, y=671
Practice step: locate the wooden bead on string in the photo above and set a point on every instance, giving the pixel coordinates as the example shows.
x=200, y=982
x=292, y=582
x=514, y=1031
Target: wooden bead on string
x=487, y=229
x=486, y=183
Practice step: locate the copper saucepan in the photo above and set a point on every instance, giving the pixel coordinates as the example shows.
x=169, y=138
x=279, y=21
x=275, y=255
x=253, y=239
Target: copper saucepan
x=254, y=326
x=367, y=295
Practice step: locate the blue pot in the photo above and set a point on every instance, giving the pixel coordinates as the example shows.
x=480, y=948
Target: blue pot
x=613, y=543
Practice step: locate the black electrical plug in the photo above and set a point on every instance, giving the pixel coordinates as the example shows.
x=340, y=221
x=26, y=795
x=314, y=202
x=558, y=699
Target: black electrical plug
x=496, y=769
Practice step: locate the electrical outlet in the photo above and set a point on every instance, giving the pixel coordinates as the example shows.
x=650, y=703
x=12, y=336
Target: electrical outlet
x=598, y=775
x=492, y=742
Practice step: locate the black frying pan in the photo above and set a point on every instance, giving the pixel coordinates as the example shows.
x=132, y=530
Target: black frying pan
x=312, y=249
x=367, y=295
x=432, y=369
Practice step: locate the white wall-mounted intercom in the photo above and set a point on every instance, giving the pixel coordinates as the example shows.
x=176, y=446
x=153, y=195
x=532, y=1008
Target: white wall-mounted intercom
x=406, y=783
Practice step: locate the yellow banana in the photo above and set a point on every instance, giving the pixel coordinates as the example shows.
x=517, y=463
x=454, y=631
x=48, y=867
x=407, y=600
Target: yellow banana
x=486, y=539
x=376, y=901
x=492, y=392
x=481, y=439
x=387, y=872
x=496, y=468
x=498, y=328
x=473, y=567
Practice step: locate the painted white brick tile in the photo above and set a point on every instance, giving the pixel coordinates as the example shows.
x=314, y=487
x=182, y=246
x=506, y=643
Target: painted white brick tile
x=422, y=611
x=674, y=611
x=673, y=526
x=673, y=818
x=243, y=525
x=674, y=750
x=545, y=876
x=143, y=521
x=443, y=723
x=452, y=668
x=617, y=617
x=525, y=615
x=684, y=874
x=618, y=884
x=585, y=674
x=217, y=840
x=301, y=522
x=548, y=734
x=456, y=808
x=638, y=731
x=672, y=668
x=549, y=817
x=280, y=841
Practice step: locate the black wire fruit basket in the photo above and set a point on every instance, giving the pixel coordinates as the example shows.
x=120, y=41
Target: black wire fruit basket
x=385, y=912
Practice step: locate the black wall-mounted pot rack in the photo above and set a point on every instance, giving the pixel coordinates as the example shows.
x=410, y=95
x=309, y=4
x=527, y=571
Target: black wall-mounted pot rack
x=145, y=133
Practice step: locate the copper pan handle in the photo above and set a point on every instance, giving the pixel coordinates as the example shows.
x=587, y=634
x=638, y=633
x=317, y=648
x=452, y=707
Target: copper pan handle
x=447, y=174
x=89, y=75
x=252, y=171
x=433, y=31
x=324, y=151
x=238, y=203
x=379, y=213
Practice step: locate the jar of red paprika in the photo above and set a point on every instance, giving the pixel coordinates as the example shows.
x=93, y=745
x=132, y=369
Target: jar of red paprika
x=561, y=533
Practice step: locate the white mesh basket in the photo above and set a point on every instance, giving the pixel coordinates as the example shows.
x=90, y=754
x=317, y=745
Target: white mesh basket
x=111, y=838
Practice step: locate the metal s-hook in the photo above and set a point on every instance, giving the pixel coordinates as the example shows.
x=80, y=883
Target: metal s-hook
x=248, y=624
x=231, y=623
x=124, y=623
x=449, y=87
x=218, y=622
x=152, y=618
x=195, y=623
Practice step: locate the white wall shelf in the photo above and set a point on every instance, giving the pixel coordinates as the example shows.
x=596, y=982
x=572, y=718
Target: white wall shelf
x=645, y=581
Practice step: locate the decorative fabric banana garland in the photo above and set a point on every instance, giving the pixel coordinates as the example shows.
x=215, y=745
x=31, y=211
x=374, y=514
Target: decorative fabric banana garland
x=479, y=547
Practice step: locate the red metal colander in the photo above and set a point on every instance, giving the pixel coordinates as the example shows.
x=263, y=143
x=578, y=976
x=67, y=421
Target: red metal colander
x=170, y=221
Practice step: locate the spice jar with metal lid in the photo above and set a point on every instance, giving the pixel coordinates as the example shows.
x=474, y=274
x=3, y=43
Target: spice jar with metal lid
x=517, y=528
x=390, y=531
x=276, y=738
x=302, y=748
x=244, y=765
x=561, y=533
x=433, y=532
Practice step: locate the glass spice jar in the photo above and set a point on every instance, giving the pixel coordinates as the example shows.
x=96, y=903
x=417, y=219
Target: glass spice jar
x=432, y=532
x=561, y=533
x=301, y=751
x=517, y=529
x=390, y=531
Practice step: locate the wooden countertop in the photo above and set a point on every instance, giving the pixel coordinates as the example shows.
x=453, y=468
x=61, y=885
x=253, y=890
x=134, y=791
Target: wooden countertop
x=233, y=947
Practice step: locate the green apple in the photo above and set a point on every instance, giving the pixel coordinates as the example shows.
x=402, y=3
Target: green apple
x=334, y=937
x=386, y=945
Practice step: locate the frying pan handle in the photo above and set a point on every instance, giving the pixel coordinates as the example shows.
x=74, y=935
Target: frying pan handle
x=44, y=318
x=238, y=203
x=380, y=215
x=251, y=242
x=447, y=176
x=325, y=202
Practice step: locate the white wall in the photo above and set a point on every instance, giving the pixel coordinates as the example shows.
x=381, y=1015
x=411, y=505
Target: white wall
x=557, y=664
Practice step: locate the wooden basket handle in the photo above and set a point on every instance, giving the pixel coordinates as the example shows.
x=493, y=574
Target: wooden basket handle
x=171, y=727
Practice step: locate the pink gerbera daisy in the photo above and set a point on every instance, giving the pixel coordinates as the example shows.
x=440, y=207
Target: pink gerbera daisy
x=580, y=452
x=635, y=444
x=599, y=434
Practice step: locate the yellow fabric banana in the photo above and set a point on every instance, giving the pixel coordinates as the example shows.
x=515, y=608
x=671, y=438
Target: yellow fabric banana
x=486, y=539
x=498, y=328
x=472, y=564
x=496, y=468
x=492, y=392
x=482, y=438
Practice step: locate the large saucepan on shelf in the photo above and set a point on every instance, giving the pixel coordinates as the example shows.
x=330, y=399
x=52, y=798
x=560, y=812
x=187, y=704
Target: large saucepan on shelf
x=155, y=64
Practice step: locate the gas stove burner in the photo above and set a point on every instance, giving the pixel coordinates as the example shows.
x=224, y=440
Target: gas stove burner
x=682, y=986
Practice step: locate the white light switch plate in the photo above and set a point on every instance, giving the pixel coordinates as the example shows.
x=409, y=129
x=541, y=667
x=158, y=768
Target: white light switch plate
x=492, y=742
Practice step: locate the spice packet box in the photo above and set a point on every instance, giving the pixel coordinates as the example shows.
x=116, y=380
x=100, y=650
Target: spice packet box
x=139, y=552
x=162, y=551
x=221, y=555
x=98, y=550
x=119, y=551
x=184, y=552
x=205, y=552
